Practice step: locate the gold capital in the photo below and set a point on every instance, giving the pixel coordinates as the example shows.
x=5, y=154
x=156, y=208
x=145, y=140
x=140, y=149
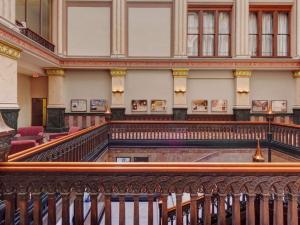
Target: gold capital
x=296, y=74
x=242, y=73
x=55, y=72
x=180, y=72
x=118, y=72
x=9, y=50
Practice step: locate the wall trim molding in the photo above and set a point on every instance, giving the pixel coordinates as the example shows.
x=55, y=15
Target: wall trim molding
x=9, y=50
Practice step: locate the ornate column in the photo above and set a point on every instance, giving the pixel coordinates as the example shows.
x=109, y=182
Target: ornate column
x=264, y=209
x=242, y=106
x=278, y=209
x=292, y=209
x=9, y=107
x=179, y=93
x=57, y=25
x=118, y=89
x=118, y=28
x=56, y=102
x=296, y=108
x=241, y=26
x=250, y=211
x=236, y=207
x=180, y=28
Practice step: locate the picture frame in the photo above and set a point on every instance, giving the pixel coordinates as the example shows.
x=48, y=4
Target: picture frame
x=279, y=106
x=219, y=105
x=98, y=105
x=139, y=105
x=123, y=159
x=78, y=105
x=260, y=106
x=200, y=105
x=158, y=105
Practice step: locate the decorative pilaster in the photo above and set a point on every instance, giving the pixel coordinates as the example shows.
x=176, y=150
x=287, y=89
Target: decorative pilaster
x=7, y=10
x=180, y=28
x=242, y=95
x=9, y=107
x=296, y=108
x=118, y=89
x=297, y=21
x=242, y=18
x=179, y=93
x=118, y=28
x=56, y=103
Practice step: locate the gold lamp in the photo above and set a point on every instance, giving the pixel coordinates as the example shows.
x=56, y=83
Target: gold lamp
x=258, y=156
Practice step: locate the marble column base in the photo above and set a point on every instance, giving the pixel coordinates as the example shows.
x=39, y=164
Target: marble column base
x=241, y=114
x=55, y=119
x=10, y=117
x=179, y=113
x=296, y=116
x=117, y=113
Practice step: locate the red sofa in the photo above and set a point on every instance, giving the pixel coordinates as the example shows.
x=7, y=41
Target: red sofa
x=17, y=146
x=59, y=135
x=30, y=131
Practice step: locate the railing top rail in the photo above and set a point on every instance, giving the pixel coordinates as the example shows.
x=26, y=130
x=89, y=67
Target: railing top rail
x=165, y=167
x=287, y=125
x=187, y=122
x=40, y=148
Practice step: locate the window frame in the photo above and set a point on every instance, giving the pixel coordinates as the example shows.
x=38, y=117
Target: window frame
x=217, y=10
x=274, y=10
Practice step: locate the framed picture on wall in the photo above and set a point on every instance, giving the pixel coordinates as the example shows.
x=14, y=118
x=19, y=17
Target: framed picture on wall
x=78, y=105
x=98, y=105
x=219, y=105
x=139, y=105
x=158, y=105
x=200, y=105
x=260, y=106
x=279, y=106
x=123, y=159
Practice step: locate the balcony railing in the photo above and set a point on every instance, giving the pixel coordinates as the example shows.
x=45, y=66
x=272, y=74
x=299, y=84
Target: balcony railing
x=219, y=193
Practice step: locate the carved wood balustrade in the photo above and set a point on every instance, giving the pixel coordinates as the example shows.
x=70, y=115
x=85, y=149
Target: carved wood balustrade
x=274, y=185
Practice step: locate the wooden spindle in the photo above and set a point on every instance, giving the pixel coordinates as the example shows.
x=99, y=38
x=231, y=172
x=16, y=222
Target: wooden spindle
x=122, y=210
x=250, y=210
x=221, y=209
x=94, y=208
x=194, y=210
x=150, y=209
x=264, y=209
x=10, y=207
x=65, y=208
x=179, y=219
x=78, y=209
x=278, y=209
x=23, y=206
x=51, y=209
x=207, y=206
x=107, y=204
x=136, y=213
x=236, y=213
x=37, y=213
x=164, y=209
x=292, y=210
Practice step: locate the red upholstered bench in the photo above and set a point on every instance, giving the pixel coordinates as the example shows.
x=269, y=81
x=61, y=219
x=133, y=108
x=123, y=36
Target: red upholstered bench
x=30, y=131
x=17, y=146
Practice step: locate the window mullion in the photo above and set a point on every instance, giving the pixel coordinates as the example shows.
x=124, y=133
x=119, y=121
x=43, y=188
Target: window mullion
x=259, y=29
x=200, y=36
x=216, y=33
x=275, y=33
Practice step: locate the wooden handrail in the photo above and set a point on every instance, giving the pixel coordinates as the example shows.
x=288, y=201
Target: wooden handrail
x=187, y=122
x=96, y=167
x=42, y=147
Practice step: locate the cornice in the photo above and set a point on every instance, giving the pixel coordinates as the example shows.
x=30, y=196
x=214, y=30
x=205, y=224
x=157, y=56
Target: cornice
x=55, y=71
x=242, y=73
x=9, y=50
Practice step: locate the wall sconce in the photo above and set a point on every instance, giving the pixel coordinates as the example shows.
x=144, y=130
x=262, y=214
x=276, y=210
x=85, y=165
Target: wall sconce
x=179, y=90
x=117, y=91
x=243, y=91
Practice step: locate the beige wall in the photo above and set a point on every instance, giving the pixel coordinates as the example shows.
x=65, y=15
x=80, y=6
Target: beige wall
x=81, y=84
x=24, y=100
x=273, y=85
x=39, y=87
x=149, y=32
x=149, y=85
x=88, y=31
x=210, y=85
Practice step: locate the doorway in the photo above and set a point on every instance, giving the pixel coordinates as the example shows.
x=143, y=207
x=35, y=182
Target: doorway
x=39, y=111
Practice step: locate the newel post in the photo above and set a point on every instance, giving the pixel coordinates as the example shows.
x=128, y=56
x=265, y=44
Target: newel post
x=6, y=134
